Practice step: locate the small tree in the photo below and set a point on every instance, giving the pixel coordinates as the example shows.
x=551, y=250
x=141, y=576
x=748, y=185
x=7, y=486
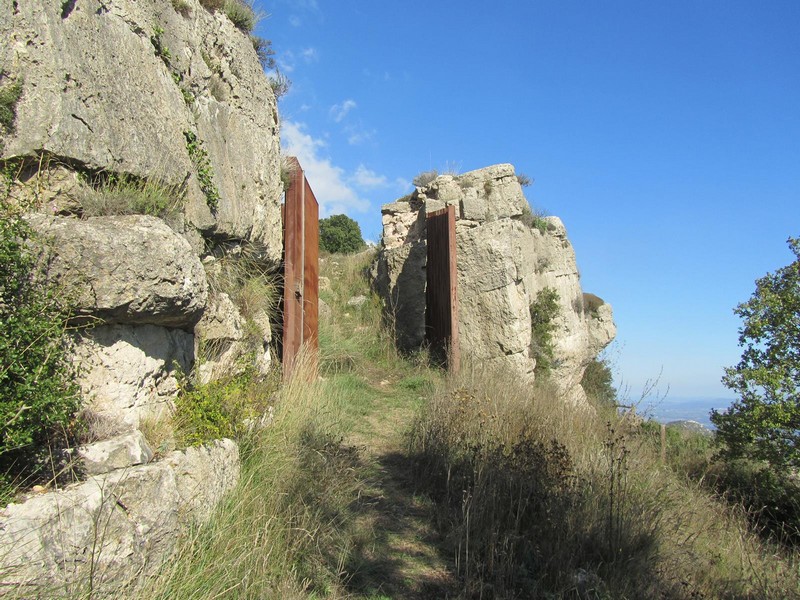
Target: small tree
x=764, y=423
x=340, y=233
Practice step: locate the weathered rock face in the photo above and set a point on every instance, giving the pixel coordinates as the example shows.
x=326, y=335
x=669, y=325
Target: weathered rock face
x=146, y=93
x=130, y=372
x=113, y=529
x=503, y=263
x=116, y=85
x=400, y=270
x=218, y=338
x=126, y=269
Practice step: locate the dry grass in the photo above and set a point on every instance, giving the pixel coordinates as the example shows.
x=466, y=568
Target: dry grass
x=113, y=194
x=546, y=500
x=279, y=535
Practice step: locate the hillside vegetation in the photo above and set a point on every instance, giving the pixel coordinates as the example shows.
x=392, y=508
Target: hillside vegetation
x=385, y=478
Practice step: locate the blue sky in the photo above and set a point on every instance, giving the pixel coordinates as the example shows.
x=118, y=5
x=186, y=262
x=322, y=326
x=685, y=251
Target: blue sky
x=665, y=134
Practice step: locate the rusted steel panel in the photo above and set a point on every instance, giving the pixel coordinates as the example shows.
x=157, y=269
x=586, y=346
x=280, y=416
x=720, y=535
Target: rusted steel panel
x=301, y=270
x=311, y=271
x=293, y=267
x=441, y=292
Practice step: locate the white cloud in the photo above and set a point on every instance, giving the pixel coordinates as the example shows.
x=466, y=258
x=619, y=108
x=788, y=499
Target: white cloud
x=339, y=111
x=330, y=183
x=365, y=178
x=357, y=135
x=295, y=21
x=309, y=55
x=286, y=61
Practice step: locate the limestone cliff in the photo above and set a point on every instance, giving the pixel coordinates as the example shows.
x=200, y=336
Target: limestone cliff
x=126, y=101
x=124, y=86
x=503, y=262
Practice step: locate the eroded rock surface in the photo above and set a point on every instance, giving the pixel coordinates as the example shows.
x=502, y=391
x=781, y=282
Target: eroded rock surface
x=116, y=85
x=115, y=527
x=130, y=372
x=125, y=269
x=505, y=257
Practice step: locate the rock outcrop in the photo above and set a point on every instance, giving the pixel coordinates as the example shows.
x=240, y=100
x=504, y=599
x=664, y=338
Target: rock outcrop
x=126, y=269
x=505, y=258
x=129, y=373
x=121, y=99
x=114, y=529
x=124, y=86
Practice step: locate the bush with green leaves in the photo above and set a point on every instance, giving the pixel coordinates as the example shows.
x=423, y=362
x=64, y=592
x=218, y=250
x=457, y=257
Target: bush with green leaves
x=544, y=311
x=264, y=51
x=340, y=234
x=598, y=382
x=764, y=423
x=534, y=219
x=222, y=408
x=279, y=83
x=38, y=397
x=241, y=14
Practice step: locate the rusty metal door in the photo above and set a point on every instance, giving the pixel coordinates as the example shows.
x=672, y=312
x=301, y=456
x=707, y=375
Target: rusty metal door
x=441, y=291
x=301, y=269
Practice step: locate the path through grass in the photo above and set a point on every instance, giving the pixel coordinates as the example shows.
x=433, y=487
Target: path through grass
x=397, y=551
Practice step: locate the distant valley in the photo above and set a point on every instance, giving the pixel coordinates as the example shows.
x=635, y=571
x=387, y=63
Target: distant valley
x=693, y=409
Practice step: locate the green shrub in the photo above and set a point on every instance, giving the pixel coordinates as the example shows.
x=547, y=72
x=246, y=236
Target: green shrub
x=203, y=168
x=264, y=51
x=38, y=398
x=534, y=220
x=159, y=48
x=763, y=424
x=279, y=83
x=688, y=452
x=222, y=409
x=544, y=311
x=340, y=233
x=771, y=501
x=598, y=382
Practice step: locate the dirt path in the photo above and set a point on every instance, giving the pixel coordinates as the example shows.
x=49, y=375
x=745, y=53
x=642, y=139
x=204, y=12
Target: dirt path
x=403, y=557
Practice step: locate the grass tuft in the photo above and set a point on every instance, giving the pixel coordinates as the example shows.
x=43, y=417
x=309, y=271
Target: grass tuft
x=121, y=194
x=241, y=14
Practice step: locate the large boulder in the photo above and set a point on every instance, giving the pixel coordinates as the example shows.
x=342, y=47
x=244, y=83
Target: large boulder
x=505, y=258
x=101, y=536
x=122, y=86
x=126, y=269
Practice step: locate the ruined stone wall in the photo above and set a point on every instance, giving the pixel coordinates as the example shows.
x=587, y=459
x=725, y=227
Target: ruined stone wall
x=503, y=262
